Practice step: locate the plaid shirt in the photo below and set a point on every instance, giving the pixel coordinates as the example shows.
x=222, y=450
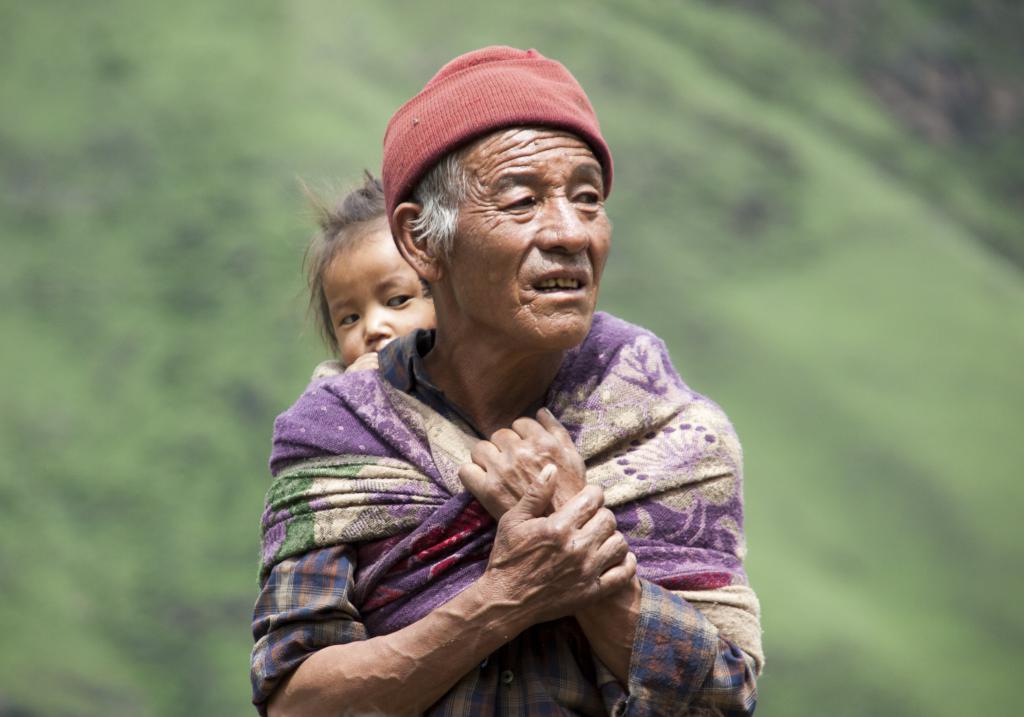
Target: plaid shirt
x=679, y=662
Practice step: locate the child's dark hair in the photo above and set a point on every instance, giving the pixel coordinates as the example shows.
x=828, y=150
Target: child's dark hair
x=358, y=206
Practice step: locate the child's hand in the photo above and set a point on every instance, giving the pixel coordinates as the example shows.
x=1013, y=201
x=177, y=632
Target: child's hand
x=366, y=362
x=326, y=369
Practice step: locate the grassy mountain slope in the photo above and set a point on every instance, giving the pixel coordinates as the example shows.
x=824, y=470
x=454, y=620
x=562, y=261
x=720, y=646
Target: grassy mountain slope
x=774, y=222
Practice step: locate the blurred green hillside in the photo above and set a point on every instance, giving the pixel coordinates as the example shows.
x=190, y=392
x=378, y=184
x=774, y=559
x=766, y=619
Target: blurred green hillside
x=817, y=204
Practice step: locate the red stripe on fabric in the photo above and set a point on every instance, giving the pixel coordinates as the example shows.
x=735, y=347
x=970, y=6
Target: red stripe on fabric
x=697, y=581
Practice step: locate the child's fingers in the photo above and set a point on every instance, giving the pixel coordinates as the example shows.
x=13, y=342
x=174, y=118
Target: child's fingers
x=366, y=362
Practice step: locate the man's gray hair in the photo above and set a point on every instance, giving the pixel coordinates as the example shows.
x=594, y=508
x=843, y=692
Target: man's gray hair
x=440, y=193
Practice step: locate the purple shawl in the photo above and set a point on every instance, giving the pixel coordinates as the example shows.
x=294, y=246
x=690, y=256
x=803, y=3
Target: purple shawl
x=355, y=461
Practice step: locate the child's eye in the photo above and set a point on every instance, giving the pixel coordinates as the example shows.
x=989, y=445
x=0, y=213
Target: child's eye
x=348, y=319
x=396, y=301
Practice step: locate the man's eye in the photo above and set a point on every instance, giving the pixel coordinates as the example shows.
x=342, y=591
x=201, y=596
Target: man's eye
x=524, y=203
x=398, y=300
x=348, y=319
x=588, y=197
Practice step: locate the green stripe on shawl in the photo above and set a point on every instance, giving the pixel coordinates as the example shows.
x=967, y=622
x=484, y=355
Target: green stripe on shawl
x=344, y=499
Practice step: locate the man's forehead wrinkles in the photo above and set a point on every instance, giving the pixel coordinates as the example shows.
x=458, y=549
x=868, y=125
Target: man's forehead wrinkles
x=507, y=180
x=518, y=171
x=522, y=145
x=522, y=136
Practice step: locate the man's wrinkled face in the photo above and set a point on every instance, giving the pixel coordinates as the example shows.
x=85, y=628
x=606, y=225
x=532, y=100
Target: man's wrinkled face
x=531, y=241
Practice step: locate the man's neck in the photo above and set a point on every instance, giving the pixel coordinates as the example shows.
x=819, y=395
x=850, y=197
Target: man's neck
x=492, y=386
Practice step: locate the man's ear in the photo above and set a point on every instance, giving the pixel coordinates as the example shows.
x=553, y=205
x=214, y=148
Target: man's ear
x=413, y=248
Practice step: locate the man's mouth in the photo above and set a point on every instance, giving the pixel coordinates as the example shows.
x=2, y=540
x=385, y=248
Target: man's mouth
x=556, y=284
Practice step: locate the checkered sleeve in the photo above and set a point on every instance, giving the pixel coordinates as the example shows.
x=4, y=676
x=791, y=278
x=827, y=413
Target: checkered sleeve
x=680, y=666
x=304, y=605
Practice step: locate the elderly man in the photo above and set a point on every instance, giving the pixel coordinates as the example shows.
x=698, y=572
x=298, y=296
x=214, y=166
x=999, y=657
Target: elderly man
x=587, y=558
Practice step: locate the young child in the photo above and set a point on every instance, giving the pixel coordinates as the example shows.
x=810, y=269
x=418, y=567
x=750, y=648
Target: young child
x=361, y=290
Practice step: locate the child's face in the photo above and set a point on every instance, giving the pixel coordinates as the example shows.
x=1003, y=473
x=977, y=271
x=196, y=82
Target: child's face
x=373, y=294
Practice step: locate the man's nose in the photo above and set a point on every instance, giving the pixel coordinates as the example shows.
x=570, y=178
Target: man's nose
x=564, y=230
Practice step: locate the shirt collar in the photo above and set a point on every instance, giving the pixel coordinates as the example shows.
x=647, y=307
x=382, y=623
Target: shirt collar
x=401, y=363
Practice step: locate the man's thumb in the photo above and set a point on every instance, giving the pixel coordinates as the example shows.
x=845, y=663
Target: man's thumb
x=537, y=498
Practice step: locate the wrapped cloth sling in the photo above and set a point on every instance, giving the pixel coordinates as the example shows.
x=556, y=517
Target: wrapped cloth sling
x=356, y=461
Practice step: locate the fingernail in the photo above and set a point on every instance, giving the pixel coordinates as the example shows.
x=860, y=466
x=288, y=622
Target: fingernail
x=545, y=473
x=546, y=412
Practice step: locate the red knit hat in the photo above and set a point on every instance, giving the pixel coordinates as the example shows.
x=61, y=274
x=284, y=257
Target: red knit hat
x=475, y=94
